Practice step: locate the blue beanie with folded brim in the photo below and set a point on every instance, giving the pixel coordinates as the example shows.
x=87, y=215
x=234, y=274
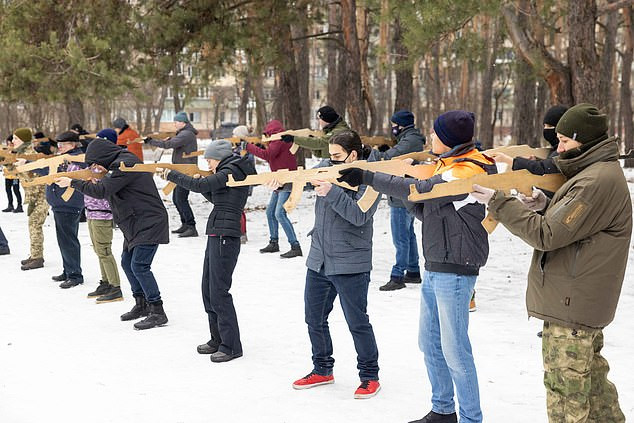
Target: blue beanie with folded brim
x=455, y=127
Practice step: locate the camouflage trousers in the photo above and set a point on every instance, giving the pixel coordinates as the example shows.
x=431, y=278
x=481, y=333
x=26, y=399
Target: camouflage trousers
x=37, y=211
x=575, y=376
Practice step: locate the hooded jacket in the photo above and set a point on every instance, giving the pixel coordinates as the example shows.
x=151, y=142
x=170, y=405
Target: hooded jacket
x=224, y=219
x=183, y=142
x=581, y=240
x=136, y=206
x=129, y=134
x=319, y=145
x=454, y=240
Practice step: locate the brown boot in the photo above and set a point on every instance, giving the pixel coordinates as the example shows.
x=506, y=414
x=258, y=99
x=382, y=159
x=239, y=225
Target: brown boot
x=25, y=261
x=33, y=264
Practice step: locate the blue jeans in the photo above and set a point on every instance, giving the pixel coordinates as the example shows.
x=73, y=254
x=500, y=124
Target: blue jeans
x=319, y=297
x=444, y=340
x=404, y=240
x=180, y=199
x=137, y=265
x=3, y=240
x=66, y=228
x=275, y=214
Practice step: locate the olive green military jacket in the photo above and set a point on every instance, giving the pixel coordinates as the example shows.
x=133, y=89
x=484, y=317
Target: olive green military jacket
x=319, y=145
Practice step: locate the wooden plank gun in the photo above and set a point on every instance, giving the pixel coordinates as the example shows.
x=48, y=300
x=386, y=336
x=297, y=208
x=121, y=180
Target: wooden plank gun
x=187, y=169
x=299, y=178
x=83, y=174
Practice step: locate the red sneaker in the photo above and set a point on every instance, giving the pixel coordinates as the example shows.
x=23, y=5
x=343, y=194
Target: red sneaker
x=311, y=380
x=367, y=389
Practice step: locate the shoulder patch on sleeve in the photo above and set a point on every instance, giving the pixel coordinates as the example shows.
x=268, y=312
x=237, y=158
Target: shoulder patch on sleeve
x=571, y=213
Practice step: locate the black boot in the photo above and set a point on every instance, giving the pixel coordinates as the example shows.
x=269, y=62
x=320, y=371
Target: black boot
x=189, y=232
x=437, y=418
x=207, y=348
x=4, y=251
x=295, y=251
x=139, y=310
x=18, y=209
x=101, y=289
x=113, y=294
x=273, y=247
x=156, y=317
x=60, y=278
x=8, y=209
x=71, y=283
x=33, y=264
x=180, y=230
x=25, y=261
x=412, y=277
x=392, y=285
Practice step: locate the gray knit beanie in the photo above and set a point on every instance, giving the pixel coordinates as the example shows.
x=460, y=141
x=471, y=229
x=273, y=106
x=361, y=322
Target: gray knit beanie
x=218, y=150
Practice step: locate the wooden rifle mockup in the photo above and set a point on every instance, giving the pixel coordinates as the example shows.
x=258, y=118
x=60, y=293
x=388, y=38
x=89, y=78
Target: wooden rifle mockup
x=300, y=177
x=53, y=163
x=187, y=169
x=7, y=157
x=83, y=174
x=161, y=136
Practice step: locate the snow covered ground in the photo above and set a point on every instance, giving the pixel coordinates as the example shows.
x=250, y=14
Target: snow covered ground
x=65, y=358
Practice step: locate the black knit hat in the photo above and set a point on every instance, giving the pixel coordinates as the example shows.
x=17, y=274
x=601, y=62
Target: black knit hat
x=583, y=123
x=455, y=127
x=68, y=136
x=553, y=115
x=403, y=118
x=327, y=114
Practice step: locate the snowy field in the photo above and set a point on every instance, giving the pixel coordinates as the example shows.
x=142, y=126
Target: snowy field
x=64, y=358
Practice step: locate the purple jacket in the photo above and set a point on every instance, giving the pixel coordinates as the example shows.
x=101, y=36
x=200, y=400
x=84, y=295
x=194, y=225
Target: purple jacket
x=97, y=209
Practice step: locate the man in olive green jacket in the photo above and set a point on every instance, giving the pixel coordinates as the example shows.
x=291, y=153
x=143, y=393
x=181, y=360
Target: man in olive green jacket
x=331, y=123
x=581, y=239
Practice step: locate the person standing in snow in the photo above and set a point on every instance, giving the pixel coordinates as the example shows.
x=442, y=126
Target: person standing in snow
x=279, y=156
x=455, y=246
x=138, y=211
x=581, y=238
x=223, y=244
x=339, y=263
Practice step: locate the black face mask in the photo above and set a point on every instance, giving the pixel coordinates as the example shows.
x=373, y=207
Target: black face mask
x=550, y=135
x=396, y=130
x=338, y=162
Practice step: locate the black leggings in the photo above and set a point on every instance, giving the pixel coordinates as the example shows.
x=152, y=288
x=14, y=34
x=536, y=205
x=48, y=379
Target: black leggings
x=15, y=183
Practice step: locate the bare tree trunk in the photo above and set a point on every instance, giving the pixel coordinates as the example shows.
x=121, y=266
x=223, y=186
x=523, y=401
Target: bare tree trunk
x=336, y=97
x=540, y=110
x=403, y=71
x=363, y=30
x=244, y=98
x=626, y=77
x=608, y=59
x=289, y=86
x=436, y=84
x=486, y=120
x=582, y=56
x=159, y=109
x=356, y=108
x=382, y=71
x=302, y=60
x=260, y=102
x=524, y=104
x=75, y=110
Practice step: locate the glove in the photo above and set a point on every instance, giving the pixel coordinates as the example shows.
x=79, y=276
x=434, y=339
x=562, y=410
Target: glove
x=383, y=148
x=147, y=139
x=30, y=208
x=536, y=202
x=355, y=176
x=481, y=194
x=288, y=138
x=243, y=145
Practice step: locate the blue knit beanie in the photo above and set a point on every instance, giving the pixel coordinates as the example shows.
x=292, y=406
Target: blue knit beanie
x=108, y=134
x=403, y=118
x=181, y=117
x=455, y=127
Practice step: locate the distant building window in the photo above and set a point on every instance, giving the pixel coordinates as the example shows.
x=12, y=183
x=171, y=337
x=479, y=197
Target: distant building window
x=317, y=94
x=270, y=73
x=222, y=116
x=194, y=116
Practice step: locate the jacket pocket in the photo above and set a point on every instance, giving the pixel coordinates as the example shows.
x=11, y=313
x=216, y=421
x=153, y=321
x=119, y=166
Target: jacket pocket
x=576, y=263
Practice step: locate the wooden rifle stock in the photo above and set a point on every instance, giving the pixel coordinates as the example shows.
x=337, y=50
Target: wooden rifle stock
x=83, y=174
x=51, y=163
x=187, y=169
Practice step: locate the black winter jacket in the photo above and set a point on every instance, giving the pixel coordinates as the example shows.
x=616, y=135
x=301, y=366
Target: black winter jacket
x=224, y=219
x=183, y=142
x=136, y=205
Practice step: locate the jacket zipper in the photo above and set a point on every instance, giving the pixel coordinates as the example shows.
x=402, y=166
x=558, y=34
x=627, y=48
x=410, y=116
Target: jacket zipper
x=444, y=236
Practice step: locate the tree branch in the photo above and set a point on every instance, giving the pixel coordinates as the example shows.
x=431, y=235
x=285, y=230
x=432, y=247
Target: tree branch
x=316, y=35
x=614, y=6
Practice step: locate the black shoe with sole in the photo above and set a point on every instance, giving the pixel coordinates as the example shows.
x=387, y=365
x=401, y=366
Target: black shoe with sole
x=437, y=418
x=412, y=277
x=206, y=348
x=70, y=283
x=295, y=251
x=33, y=264
x=25, y=261
x=18, y=210
x=139, y=310
x=392, y=285
x=220, y=357
x=101, y=289
x=180, y=230
x=114, y=294
x=8, y=209
x=4, y=251
x=189, y=232
x=273, y=247
x=60, y=278
x=155, y=318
